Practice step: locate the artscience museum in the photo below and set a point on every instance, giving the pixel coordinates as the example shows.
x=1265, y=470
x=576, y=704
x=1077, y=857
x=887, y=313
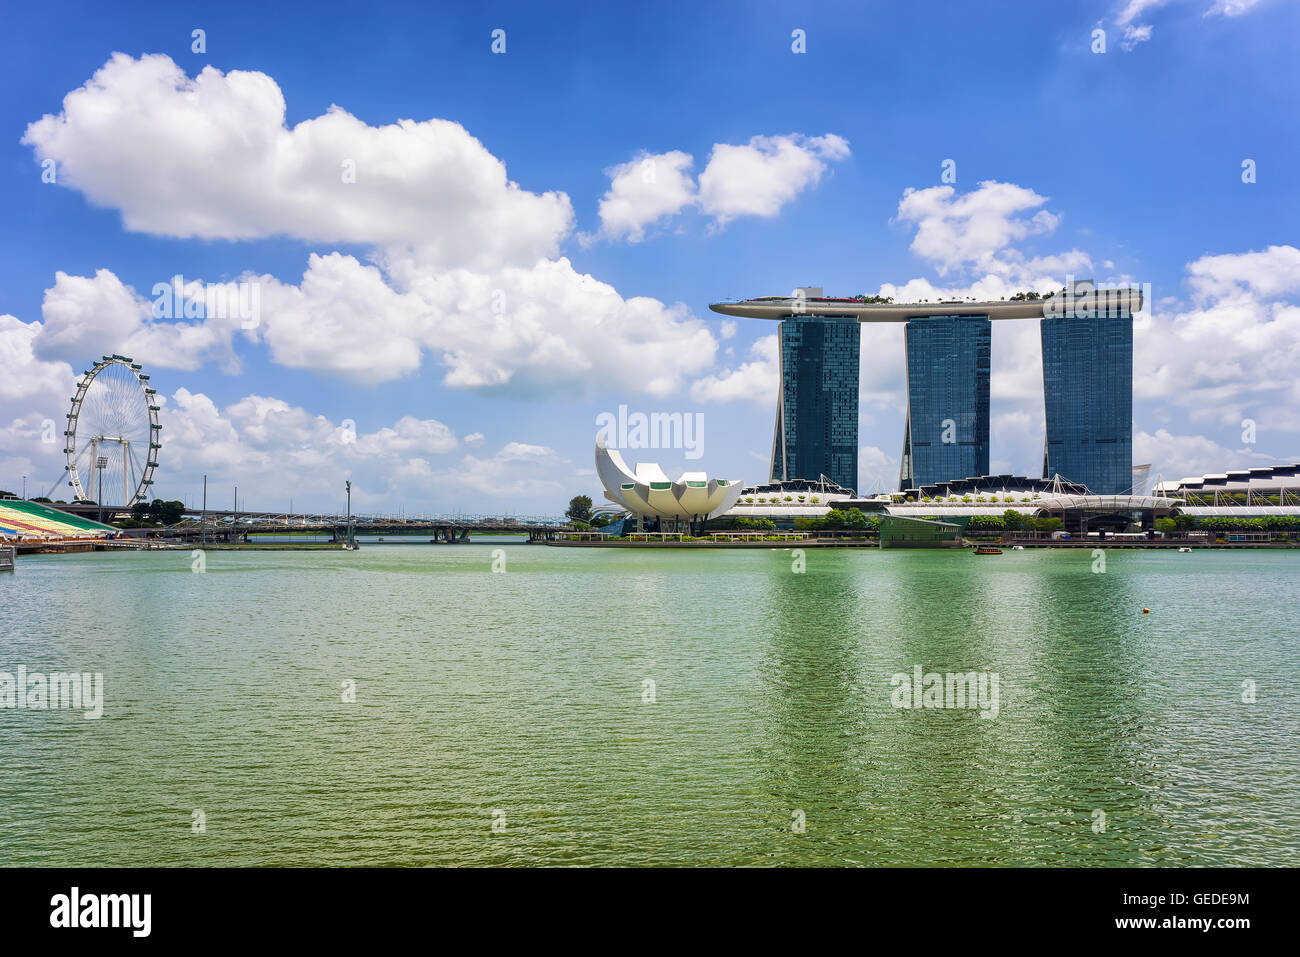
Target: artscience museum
x=648, y=493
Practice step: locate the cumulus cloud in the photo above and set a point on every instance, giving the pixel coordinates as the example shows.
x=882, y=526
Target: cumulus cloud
x=876, y=470
x=517, y=471
x=753, y=179
x=268, y=445
x=520, y=330
x=758, y=178
x=212, y=157
x=970, y=230
x=1232, y=353
x=1174, y=457
x=463, y=263
x=26, y=376
x=86, y=316
x=1269, y=273
x=756, y=380
x=645, y=191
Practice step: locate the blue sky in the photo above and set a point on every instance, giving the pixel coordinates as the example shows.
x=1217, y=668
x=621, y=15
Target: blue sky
x=428, y=329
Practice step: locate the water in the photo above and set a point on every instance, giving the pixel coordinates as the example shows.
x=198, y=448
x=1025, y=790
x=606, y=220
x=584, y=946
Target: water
x=522, y=694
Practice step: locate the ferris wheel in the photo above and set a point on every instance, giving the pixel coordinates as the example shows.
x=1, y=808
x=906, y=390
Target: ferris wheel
x=113, y=432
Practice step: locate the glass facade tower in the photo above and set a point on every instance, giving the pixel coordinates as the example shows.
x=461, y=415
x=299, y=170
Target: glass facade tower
x=817, y=411
x=1088, y=399
x=946, y=436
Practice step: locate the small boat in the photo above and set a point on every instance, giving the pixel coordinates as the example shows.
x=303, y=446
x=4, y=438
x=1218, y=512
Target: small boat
x=988, y=550
x=1184, y=548
x=1017, y=548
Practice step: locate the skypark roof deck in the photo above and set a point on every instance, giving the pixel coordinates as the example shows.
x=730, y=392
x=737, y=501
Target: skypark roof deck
x=1100, y=301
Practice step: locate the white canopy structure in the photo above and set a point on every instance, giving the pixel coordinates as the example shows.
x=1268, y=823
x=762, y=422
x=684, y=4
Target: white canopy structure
x=648, y=492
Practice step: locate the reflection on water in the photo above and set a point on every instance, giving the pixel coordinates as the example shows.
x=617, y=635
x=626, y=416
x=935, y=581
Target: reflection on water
x=653, y=707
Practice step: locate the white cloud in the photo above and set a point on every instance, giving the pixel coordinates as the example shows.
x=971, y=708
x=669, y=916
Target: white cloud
x=958, y=231
x=27, y=377
x=758, y=178
x=754, y=381
x=876, y=468
x=753, y=179
x=267, y=445
x=211, y=157
x=461, y=265
x=1174, y=457
x=517, y=471
x=1231, y=8
x=1273, y=272
x=1135, y=34
x=644, y=191
x=519, y=330
x=86, y=316
x=1232, y=354
x=34, y=395
x=1135, y=8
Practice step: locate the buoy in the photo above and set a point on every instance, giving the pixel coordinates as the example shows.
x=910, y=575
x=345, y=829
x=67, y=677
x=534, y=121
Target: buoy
x=1146, y=611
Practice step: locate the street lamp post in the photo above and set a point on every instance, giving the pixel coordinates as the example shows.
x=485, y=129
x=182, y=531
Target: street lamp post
x=349, y=490
x=101, y=462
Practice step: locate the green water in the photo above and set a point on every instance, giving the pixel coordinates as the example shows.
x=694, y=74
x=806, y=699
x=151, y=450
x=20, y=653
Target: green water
x=522, y=693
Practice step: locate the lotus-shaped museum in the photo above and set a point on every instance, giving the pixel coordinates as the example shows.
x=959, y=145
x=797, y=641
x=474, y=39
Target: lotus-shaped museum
x=649, y=493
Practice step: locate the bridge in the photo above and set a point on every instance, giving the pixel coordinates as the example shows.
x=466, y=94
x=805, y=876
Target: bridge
x=228, y=525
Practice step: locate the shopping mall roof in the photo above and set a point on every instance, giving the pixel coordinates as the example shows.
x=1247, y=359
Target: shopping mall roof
x=1256, y=479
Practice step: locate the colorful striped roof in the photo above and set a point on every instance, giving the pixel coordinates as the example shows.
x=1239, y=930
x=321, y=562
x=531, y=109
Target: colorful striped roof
x=22, y=519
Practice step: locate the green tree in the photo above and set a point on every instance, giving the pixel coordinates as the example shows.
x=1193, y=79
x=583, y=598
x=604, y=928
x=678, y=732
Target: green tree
x=1012, y=520
x=579, y=508
x=1165, y=526
x=834, y=519
x=854, y=518
x=167, y=513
